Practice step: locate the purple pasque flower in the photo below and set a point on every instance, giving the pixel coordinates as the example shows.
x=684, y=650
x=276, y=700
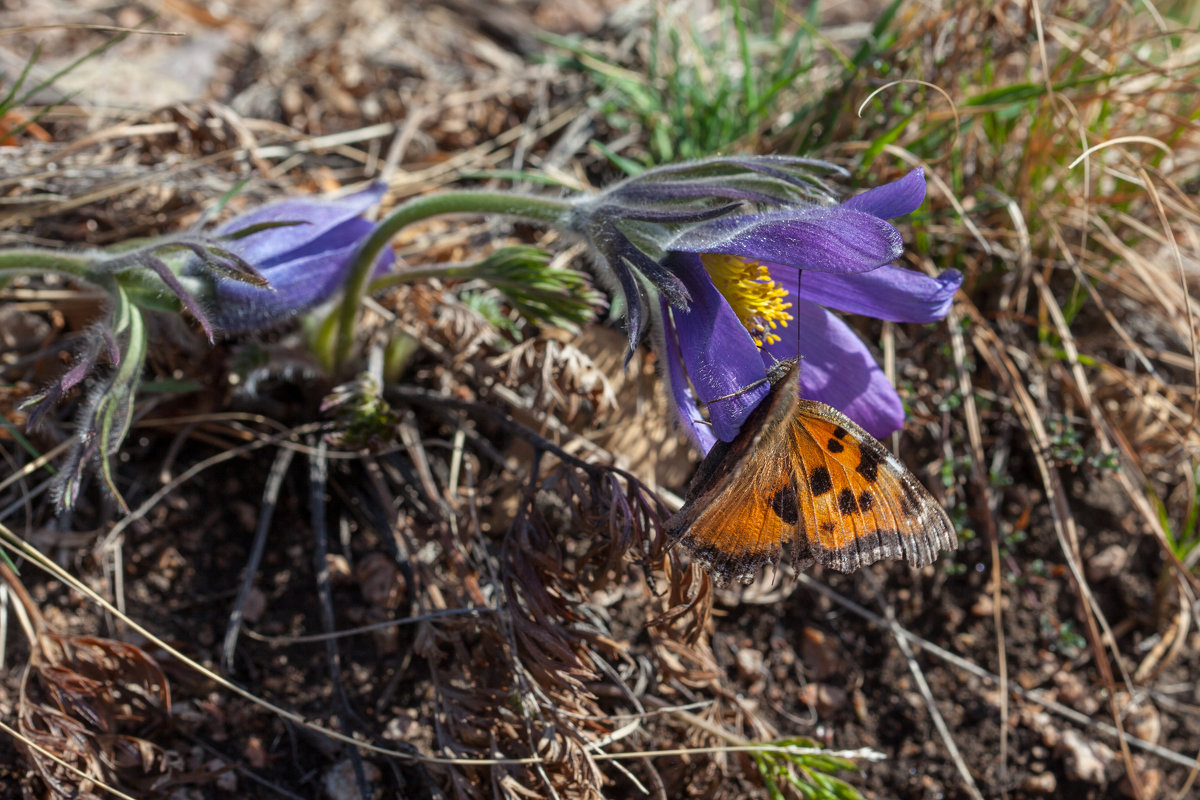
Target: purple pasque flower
x=759, y=292
x=302, y=247
x=634, y=226
x=716, y=249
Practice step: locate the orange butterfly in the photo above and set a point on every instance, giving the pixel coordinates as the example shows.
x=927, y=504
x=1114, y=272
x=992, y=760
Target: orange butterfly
x=801, y=473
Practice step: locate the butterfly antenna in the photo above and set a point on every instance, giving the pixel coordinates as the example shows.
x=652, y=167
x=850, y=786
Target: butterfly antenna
x=799, y=355
x=747, y=388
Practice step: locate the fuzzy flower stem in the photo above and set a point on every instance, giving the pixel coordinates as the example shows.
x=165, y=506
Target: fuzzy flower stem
x=145, y=288
x=43, y=261
x=444, y=271
x=550, y=211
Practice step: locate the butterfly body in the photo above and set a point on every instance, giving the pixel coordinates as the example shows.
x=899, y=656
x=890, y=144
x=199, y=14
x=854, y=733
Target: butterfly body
x=801, y=474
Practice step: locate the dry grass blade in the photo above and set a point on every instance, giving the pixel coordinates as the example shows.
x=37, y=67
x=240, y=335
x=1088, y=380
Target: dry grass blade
x=938, y=720
x=986, y=502
x=990, y=349
x=1034, y=696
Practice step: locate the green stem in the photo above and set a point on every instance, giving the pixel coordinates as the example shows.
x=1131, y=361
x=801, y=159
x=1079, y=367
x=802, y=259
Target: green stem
x=145, y=289
x=550, y=211
x=447, y=271
x=42, y=261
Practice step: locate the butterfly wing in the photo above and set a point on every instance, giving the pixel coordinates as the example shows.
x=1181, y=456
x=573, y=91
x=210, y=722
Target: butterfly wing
x=801, y=474
x=739, y=533
x=735, y=518
x=856, y=503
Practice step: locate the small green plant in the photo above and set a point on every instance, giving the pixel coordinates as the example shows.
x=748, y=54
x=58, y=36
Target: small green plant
x=1183, y=538
x=18, y=95
x=1068, y=447
x=1066, y=443
x=700, y=94
x=1062, y=636
x=525, y=279
x=489, y=306
x=537, y=290
x=364, y=418
x=809, y=774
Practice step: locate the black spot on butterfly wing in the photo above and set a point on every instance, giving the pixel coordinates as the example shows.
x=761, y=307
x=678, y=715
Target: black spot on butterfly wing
x=897, y=518
x=868, y=462
x=783, y=503
x=820, y=481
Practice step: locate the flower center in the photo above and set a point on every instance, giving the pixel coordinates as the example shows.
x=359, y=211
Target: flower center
x=757, y=300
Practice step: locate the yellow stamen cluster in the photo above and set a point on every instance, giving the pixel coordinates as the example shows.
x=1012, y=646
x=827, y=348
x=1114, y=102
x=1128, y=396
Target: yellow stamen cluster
x=754, y=297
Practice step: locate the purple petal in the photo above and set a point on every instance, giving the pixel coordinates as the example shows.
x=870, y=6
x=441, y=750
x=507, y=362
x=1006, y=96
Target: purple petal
x=838, y=370
x=295, y=286
x=721, y=358
x=814, y=238
x=893, y=199
x=322, y=215
x=351, y=232
x=685, y=402
x=891, y=293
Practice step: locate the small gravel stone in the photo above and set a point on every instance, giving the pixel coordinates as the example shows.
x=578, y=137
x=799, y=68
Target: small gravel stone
x=1084, y=759
x=749, y=664
x=821, y=654
x=1043, y=783
x=1144, y=722
x=1107, y=563
x=824, y=698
